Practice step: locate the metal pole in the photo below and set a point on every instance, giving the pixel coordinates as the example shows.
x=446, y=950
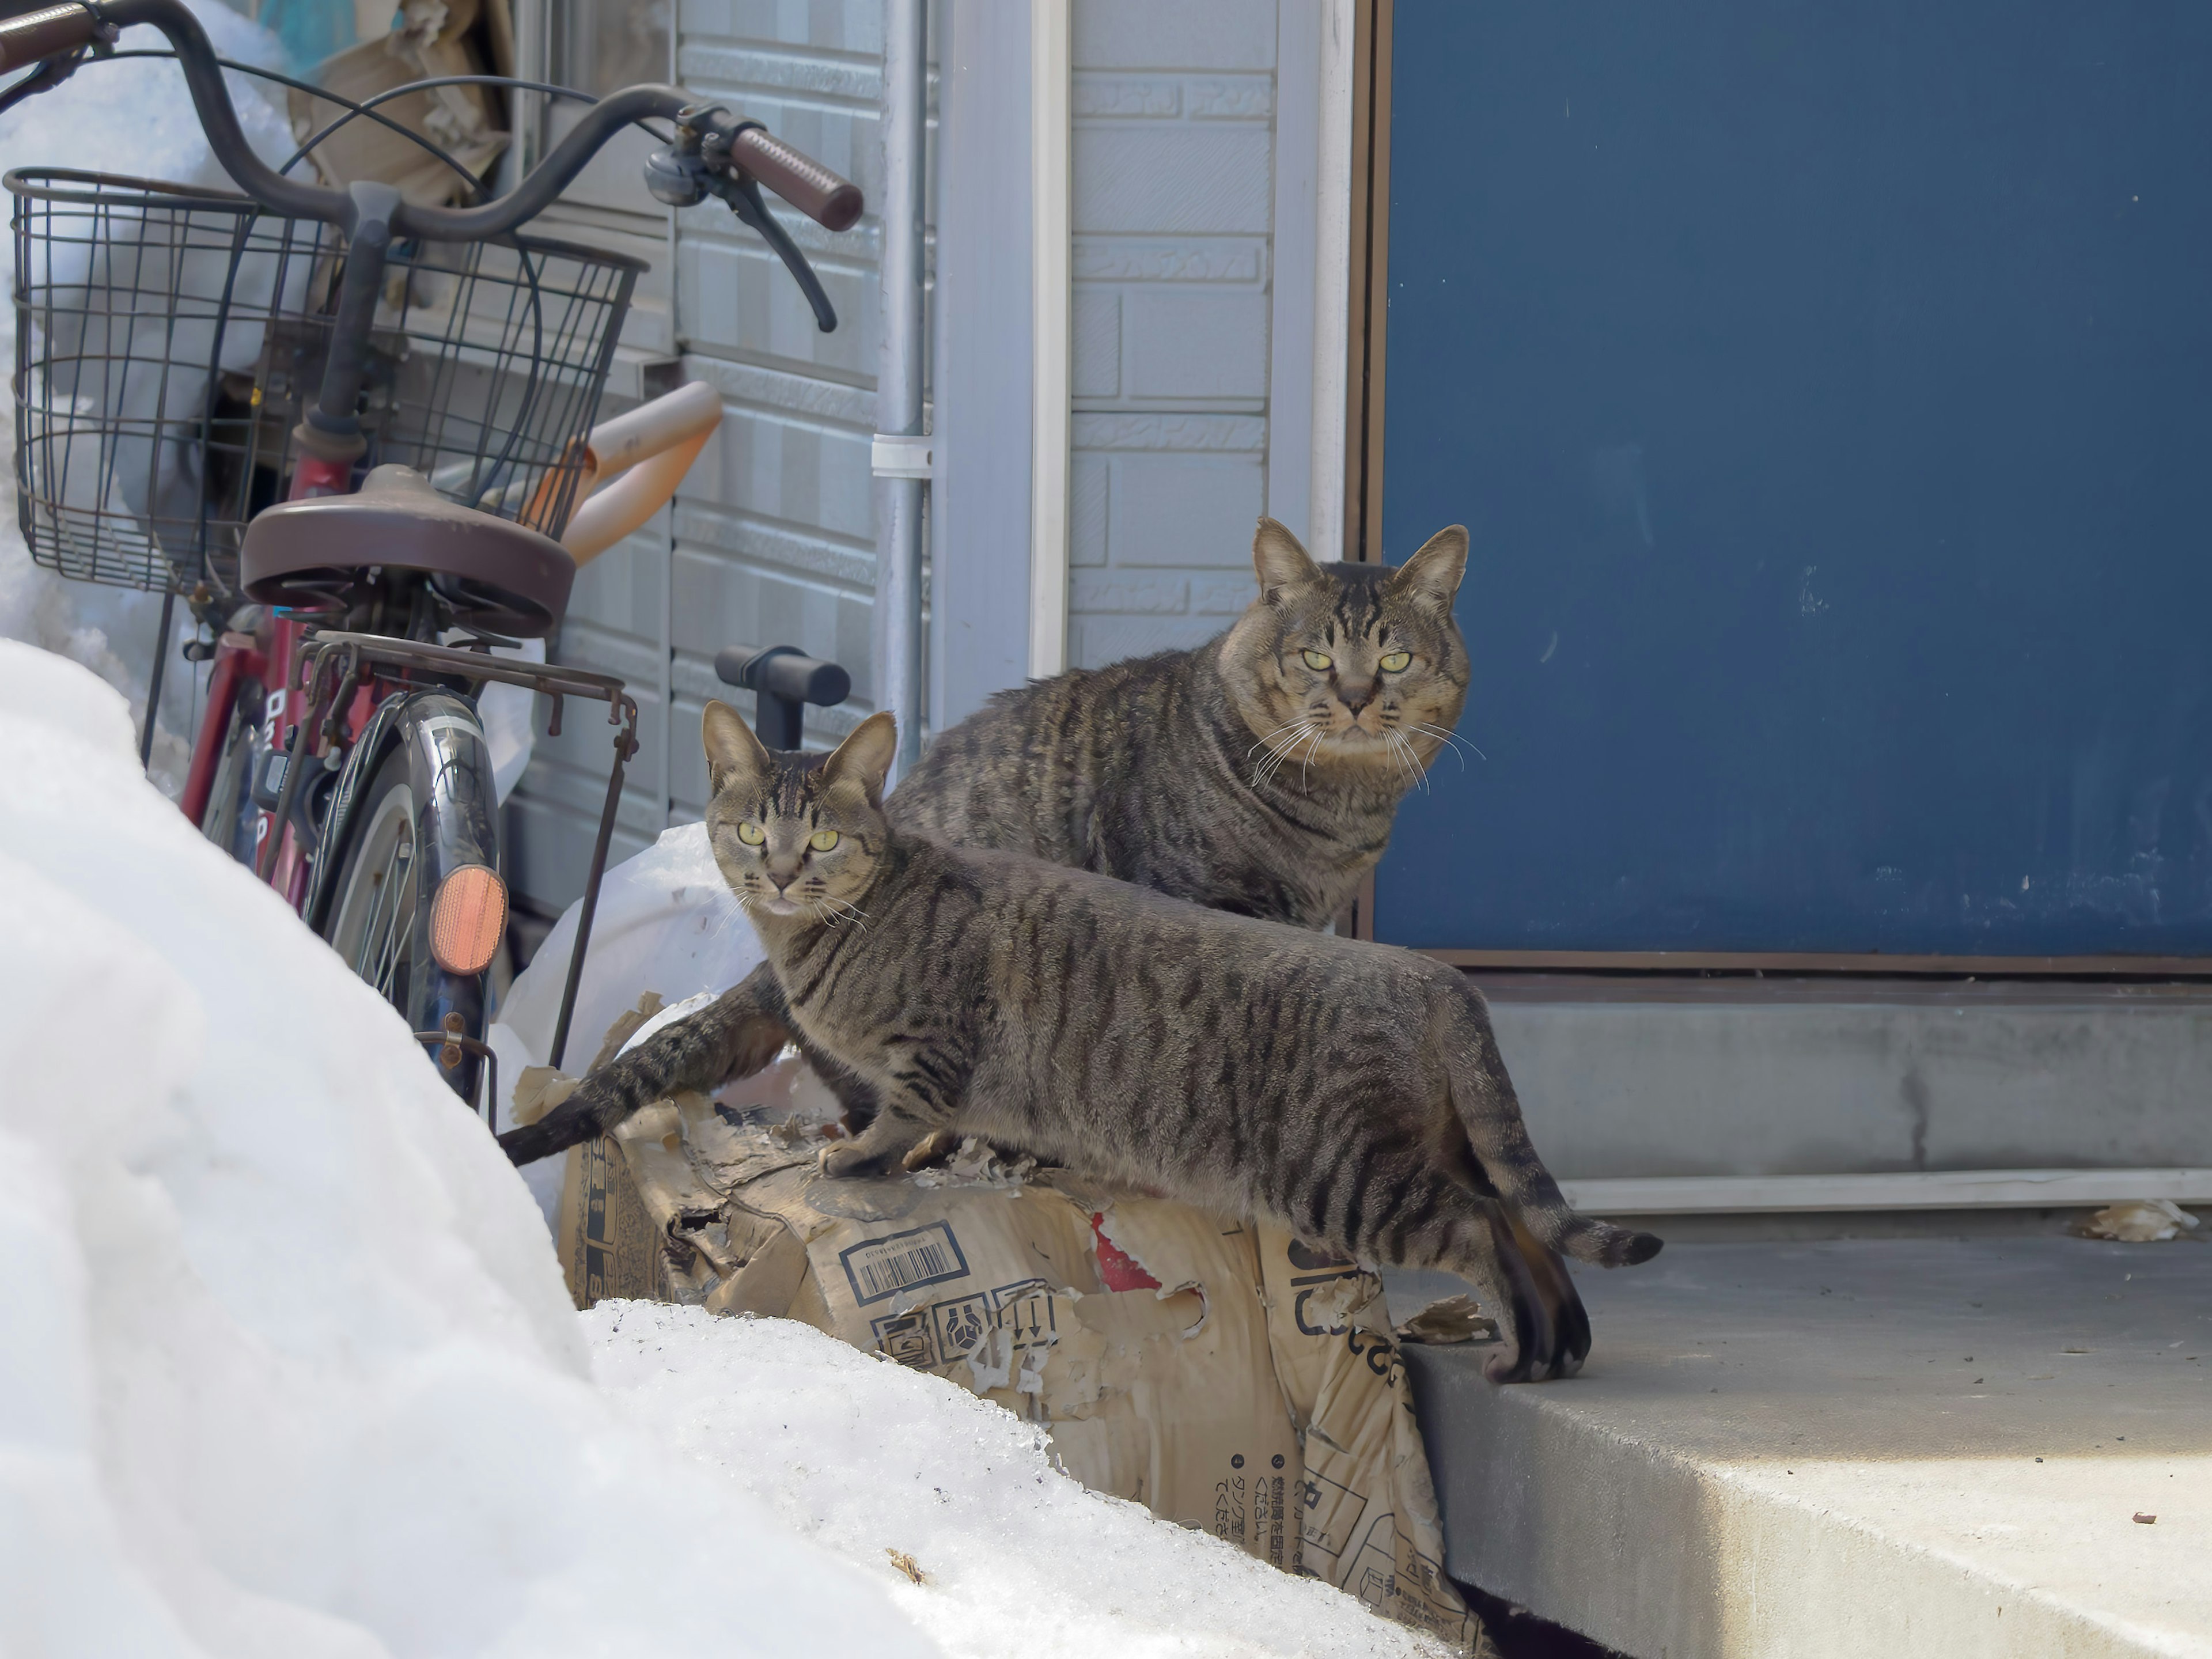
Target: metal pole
x=902, y=467
x=154, y=685
x=625, y=747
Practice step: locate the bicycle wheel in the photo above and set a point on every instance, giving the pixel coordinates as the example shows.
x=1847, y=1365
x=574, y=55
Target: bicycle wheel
x=378, y=918
x=372, y=924
x=230, y=820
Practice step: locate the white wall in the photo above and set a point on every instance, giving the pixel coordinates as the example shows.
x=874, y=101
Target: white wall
x=771, y=538
x=1174, y=109
x=1195, y=144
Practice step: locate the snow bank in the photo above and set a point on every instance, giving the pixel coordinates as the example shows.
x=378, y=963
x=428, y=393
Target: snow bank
x=110, y=629
x=289, y=1370
x=863, y=1457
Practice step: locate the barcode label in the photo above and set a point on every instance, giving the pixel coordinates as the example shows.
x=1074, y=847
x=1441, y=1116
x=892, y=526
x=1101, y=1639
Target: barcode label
x=882, y=1267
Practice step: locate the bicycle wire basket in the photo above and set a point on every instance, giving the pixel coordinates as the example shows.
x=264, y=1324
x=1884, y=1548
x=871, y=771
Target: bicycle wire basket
x=168, y=339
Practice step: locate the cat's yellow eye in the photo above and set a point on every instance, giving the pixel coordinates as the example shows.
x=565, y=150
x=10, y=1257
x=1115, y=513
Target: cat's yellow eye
x=823, y=840
x=1396, y=661
x=1318, y=661
x=751, y=833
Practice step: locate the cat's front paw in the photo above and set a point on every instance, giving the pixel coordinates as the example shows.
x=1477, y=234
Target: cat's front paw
x=842, y=1160
x=933, y=1148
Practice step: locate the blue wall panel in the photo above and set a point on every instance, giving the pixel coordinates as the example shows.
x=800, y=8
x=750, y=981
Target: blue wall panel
x=1829, y=392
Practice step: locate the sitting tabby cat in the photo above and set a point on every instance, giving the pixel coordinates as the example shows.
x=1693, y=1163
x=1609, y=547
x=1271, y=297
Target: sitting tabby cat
x=1351, y=1091
x=1258, y=773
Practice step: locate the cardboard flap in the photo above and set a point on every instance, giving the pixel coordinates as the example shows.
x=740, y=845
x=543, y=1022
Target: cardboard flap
x=1369, y=1510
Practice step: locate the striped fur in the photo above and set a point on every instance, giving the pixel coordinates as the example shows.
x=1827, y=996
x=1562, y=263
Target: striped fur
x=1352, y=1092
x=1236, y=775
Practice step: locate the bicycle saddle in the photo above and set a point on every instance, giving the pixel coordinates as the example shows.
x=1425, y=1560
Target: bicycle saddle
x=316, y=554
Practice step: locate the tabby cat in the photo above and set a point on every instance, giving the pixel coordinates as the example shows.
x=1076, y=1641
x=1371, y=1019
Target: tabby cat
x=1351, y=1092
x=1258, y=773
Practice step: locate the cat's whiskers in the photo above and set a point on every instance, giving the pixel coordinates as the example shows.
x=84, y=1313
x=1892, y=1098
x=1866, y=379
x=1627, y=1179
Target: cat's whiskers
x=1403, y=752
x=1408, y=744
x=1277, y=732
x=1274, y=742
x=839, y=911
x=724, y=917
x=1279, y=752
x=1452, y=739
x=1397, y=753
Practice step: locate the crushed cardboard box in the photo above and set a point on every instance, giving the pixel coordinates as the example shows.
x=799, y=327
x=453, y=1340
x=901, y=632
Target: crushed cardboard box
x=425, y=39
x=1222, y=1375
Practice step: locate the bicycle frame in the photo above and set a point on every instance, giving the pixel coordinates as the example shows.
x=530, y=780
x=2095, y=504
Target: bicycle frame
x=316, y=718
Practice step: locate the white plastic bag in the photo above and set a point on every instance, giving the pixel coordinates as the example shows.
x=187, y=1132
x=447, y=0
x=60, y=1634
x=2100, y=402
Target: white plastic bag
x=666, y=922
x=509, y=713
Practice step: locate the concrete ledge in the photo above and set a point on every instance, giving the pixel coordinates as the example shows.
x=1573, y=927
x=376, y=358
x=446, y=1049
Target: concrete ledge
x=1910, y=1189
x=1831, y=1450
x=1747, y=1078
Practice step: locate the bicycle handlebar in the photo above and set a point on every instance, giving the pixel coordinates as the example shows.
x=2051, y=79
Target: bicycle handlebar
x=59, y=30
x=37, y=36
x=782, y=670
x=832, y=202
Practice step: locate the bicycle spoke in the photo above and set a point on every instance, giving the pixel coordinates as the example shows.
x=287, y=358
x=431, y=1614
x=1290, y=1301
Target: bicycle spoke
x=396, y=871
x=379, y=887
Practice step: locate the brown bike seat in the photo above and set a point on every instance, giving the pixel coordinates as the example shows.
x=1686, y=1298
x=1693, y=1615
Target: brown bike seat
x=315, y=554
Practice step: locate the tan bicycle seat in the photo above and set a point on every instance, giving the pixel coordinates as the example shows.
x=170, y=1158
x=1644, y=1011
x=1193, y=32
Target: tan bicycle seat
x=315, y=554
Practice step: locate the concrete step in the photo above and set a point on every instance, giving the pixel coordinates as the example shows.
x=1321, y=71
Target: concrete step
x=1641, y=1076
x=1868, y=1447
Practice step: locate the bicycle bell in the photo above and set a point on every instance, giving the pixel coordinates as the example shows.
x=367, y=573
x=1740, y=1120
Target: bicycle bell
x=682, y=175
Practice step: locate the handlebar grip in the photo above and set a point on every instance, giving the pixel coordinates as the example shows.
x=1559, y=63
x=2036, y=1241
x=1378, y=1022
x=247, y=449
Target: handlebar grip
x=48, y=32
x=782, y=672
x=801, y=181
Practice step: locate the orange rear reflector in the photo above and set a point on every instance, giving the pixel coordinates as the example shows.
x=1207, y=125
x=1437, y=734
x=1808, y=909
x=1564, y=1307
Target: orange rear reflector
x=467, y=918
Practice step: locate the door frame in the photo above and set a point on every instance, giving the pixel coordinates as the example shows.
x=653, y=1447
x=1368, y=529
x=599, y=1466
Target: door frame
x=1367, y=293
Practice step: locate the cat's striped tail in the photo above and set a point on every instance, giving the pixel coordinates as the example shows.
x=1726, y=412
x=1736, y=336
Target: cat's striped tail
x=1482, y=1094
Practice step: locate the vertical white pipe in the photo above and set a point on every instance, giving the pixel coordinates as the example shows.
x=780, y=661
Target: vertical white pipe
x=899, y=504
x=1292, y=264
x=1332, y=340
x=1051, y=181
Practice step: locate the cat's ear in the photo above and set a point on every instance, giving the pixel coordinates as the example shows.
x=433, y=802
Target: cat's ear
x=733, y=752
x=866, y=755
x=1281, y=562
x=1432, y=576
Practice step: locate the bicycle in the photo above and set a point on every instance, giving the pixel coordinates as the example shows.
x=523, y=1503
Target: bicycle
x=436, y=486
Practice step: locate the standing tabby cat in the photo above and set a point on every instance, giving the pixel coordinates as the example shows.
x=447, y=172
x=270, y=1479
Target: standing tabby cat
x=1351, y=1091
x=1259, y=772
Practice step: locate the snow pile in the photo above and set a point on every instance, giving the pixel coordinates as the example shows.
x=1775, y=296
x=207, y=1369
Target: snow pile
x=110, y=629
x=289, y=1370
x=1017, y=1560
